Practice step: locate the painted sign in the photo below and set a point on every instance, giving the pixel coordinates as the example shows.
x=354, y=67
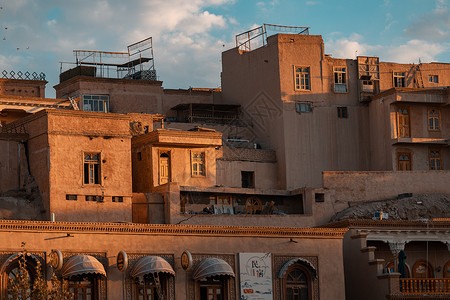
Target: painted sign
x=255, y=276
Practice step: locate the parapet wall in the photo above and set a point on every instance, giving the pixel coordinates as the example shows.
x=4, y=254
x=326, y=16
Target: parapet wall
x=367, y=186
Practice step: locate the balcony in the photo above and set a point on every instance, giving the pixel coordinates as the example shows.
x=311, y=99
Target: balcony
x=425, y=286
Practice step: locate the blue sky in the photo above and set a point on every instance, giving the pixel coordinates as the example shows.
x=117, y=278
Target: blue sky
x=189, y=36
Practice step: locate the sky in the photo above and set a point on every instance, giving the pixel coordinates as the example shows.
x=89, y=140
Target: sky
x=190, y=35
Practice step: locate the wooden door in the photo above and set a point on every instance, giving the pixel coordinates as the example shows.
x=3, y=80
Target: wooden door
x=403, y=122
x=404, y=161
x=164, y=168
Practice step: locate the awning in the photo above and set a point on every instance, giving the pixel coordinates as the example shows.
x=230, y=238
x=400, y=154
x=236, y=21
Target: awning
x=12, y=258
x=300, y=260
x=212, y=266
x=82, y=264
x=151, y=264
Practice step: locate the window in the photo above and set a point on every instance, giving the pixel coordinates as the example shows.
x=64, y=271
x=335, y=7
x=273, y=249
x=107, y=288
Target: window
x=303, y=107
x=71, y=197
x=84, y=287
x=342, y=112
x=97, y=103
x=248, y=179
x=151, y=287
x=433, y=78
x=399, y=79
x=212, y=289
x=302, y=79
x=139, y=155
x=434, y=119
x=403, y=122
x=297, y=284
x=117, y=199
x=404, y=161
x=198, y=163
x=92, y=168
x=434, y=156
x=340, y=80
x=320, y=197
x=94, y=198
x=367, y=85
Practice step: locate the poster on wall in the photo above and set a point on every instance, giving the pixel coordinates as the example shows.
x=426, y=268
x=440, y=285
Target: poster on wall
x=255, y=276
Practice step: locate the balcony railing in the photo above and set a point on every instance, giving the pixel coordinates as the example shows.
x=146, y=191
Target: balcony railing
x=425, y=285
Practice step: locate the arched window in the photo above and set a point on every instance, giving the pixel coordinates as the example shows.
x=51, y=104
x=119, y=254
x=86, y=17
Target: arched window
x=84, y=273
x=11, y=268
x=151, y=287
x=422, y=269
x=297, y=284
x=84, y=286
x=297, y=277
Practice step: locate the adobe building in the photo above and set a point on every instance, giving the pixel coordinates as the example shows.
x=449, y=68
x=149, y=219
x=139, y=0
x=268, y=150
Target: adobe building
x=294, y=139
x=396, y=259
x=221, y=262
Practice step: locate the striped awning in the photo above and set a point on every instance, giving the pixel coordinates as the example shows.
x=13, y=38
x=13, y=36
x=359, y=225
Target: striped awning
x=82, y=264
x=212, y=266
x=150, y=265
x=14, y=257
x=300, y=260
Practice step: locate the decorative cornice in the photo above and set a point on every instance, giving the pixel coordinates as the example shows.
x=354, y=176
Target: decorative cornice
x=156, y=229
x=386, y=224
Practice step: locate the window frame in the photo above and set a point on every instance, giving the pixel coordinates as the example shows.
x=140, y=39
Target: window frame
x=249, y=178
x=435, y=119
x=299, y=105
x=432, y=159
x=404, y=153
x=397, y=76
x=342, y=112
x=88, y=171
x=308, y=276
x=198, y=163
x=434, y=79
x=96, y=99
x=340, y=78
x=306, y=87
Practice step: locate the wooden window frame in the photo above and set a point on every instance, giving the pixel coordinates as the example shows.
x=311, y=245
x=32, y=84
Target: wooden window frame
x=434, y=118
x=94, y=175
x=309, y=279
x=342, y=112
x=94, y=285
x=340, y=79
x=302, y=76
x=409, y=154
x=194, y=161
x=433, y=79
x=399, y=75
x=224, y=284
x=430, y=158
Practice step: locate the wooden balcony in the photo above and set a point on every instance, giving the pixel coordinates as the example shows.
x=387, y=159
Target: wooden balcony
x=425, y=285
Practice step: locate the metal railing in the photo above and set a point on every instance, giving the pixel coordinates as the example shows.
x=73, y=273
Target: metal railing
x=21, y=75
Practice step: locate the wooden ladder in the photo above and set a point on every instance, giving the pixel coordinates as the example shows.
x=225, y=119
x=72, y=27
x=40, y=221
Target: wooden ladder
x=74, y=103
x=419, y=77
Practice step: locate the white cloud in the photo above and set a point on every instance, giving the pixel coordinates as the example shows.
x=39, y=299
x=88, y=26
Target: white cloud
x=312, y=2
x=409, y=52
x=431, y=26
x=181, y=31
